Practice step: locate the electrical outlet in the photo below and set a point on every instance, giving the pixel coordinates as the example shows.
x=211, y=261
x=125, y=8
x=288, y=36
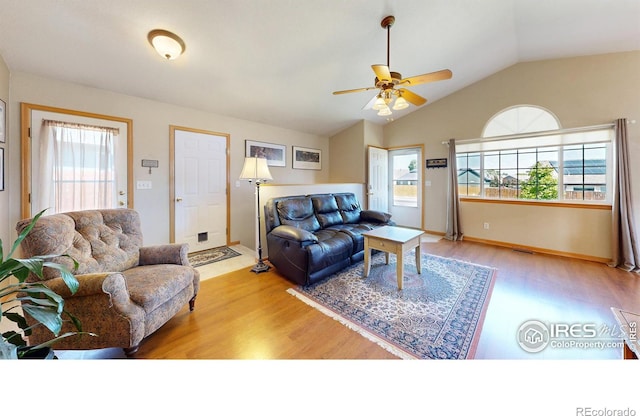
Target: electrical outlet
x=486, y=225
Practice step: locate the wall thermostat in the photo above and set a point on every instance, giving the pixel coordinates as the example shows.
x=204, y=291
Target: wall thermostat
x=149, y=163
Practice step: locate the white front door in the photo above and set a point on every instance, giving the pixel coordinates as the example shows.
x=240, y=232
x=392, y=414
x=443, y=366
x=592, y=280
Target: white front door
x=200, y=189
x=378, y=182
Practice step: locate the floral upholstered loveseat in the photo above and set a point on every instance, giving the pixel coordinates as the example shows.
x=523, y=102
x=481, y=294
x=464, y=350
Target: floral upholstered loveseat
x=127, y=291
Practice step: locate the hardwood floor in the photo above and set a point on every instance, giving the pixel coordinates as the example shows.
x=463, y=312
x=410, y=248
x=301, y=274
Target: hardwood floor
x=242, y=315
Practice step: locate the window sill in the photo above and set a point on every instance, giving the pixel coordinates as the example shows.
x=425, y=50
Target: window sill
x=556, y=204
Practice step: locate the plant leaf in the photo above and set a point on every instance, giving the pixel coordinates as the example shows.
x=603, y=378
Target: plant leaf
x=17, y=318
x=47, y=316
x=68, y=277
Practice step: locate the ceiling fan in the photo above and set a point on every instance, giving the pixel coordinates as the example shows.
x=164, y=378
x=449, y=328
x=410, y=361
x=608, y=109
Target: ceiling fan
x=386, y=82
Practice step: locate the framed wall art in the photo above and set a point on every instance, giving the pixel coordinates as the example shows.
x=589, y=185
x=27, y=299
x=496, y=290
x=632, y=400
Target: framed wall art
x=305, y=158
x=3, y=121
x=436, y=163
x=274, y=153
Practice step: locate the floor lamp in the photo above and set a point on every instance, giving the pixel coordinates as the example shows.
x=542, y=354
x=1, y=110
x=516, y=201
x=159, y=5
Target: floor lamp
x=256, y=170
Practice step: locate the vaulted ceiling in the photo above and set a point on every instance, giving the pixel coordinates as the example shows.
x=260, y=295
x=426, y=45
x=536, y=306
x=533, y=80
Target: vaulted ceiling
x=278, y=61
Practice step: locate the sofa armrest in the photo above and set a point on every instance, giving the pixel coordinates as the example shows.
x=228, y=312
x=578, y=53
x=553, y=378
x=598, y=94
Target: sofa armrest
x=164, y=254
x=375, y=216
x=289, y=232
x=103, y=296
x=89, y=284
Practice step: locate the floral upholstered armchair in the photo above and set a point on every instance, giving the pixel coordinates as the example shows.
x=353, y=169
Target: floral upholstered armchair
x=127, y=291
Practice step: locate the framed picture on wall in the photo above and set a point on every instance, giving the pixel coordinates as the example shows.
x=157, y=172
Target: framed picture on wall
x=305, y=158
x=274, y=153
x=3, y=121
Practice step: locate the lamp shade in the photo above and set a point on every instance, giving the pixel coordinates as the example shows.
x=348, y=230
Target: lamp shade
x=255, y=169
x=167, y=44
x=400, y=103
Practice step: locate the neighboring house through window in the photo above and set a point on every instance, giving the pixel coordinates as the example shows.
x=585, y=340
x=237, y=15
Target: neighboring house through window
x=524, y=154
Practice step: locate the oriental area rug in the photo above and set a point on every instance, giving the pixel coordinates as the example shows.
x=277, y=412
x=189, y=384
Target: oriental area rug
x=213, y=255
x=437, y=315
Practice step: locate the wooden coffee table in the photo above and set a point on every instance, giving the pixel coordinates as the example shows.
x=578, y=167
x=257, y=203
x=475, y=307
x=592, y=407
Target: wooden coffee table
x=396, y=240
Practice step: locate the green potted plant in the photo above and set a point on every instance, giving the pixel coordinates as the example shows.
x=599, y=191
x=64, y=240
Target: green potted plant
x=42, y=303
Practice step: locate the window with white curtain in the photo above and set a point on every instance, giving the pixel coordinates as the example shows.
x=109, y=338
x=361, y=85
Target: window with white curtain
x=77, y=170
x=525, y=155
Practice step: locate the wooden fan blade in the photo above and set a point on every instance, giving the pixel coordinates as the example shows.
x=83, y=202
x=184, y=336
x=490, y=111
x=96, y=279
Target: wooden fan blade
x=354, y=90
x=382, y=72
x=413, y=98
x=430, y=77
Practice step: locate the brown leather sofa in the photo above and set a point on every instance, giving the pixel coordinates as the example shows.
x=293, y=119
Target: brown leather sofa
x=127, y=290
x=310, y=237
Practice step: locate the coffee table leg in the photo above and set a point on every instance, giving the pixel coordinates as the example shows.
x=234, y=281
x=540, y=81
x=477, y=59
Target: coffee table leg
x=367, y=258
x=399, y=267
x=418, y=259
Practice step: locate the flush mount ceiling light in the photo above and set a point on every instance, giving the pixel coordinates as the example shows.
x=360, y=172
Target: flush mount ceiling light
x=167, y=44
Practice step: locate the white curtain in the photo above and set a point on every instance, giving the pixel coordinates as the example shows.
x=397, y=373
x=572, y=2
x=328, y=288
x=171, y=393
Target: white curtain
x=626, y=254
x=77, y=167
x=454, y=226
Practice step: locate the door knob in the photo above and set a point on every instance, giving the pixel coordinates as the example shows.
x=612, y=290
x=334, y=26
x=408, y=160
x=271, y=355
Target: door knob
x=121, y=193
x=121, y=203
x=178, y=199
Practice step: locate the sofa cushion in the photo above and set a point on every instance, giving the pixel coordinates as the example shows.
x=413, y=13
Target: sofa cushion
x=152, y=285
x=349, y=208
x=99, y=240
x=326, y=210
x=298, y=212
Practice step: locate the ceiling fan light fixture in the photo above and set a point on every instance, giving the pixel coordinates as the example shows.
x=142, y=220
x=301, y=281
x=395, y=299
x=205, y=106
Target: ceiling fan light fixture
x=386, y=111
x=400, y=103
x=167, y=44
x=380, y=103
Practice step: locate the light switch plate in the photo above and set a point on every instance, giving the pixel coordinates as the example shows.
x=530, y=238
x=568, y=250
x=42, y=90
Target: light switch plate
x=144, y=185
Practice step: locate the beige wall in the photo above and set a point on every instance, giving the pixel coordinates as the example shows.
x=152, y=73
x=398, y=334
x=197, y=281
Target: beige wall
x=348, y=150
x=580, y=92
x=151, y=120
x=347, y=155
x=6, y=232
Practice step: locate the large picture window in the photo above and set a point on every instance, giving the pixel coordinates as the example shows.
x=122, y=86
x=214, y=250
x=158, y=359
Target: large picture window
x=531, y=158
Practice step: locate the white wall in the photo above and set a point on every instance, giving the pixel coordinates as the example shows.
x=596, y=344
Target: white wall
x=6, y=231
x=151, y=120
x=581, y=91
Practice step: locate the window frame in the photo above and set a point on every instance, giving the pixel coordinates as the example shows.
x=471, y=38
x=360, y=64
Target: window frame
x=486, y=146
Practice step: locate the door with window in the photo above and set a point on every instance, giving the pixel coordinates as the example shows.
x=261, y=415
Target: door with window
x=405, y=176
x=76, y=161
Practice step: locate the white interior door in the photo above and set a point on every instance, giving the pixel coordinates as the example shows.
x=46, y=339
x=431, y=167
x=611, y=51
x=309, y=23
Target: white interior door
x=378, y=182
x=200, y=189
x=405, y=176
